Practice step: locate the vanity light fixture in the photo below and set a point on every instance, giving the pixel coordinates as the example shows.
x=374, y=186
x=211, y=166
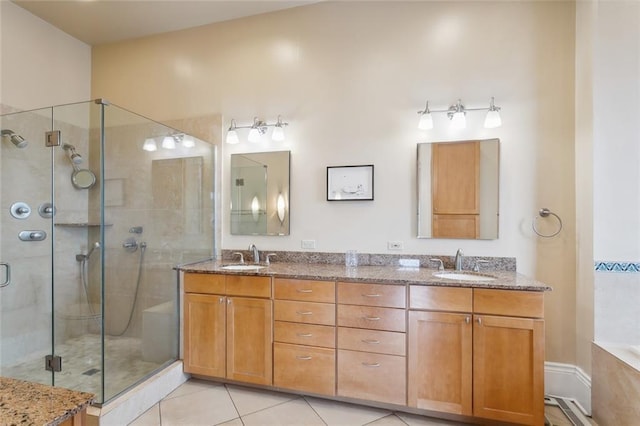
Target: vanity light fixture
x=150, y=145
x=457, y=114
x=169, y=142
x=257, y=129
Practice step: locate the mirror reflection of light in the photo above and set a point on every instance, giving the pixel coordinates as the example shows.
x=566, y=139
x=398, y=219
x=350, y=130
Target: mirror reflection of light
x=188, y=142
x=255, y=208
x=281, y=207
x=169, y=142
x=150, y=145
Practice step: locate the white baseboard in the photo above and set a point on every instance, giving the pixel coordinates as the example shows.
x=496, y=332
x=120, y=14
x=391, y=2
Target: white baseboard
x=570, y=382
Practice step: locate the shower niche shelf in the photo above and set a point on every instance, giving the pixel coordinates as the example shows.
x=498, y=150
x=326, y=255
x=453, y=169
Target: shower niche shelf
x=80, y=224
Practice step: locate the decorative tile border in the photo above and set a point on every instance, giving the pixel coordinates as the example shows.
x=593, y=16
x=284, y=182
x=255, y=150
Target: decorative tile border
x=629, y=267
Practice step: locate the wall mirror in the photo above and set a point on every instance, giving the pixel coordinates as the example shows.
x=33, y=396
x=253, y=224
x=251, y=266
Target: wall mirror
x=260, y=193
x=458, y=189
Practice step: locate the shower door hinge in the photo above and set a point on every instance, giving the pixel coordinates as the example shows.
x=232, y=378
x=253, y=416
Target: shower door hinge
x=53, y=363
x=52, y=138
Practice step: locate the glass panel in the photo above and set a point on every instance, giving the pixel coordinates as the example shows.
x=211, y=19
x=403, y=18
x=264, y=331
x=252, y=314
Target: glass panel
x=25, y=300
x=158, y=213
x=77, y=254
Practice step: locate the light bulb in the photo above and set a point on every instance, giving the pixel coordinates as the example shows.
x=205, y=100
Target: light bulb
x=458, y=121
x=232, y=137
x=426, y=121
x=254, y=135
x=150, y=145
x=278, y=133
x=169, y=142
x=188, y=142
x=492, y=120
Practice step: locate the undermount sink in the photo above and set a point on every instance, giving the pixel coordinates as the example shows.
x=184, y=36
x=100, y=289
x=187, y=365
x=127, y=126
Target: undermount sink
x=463, y=276
x=242, y=267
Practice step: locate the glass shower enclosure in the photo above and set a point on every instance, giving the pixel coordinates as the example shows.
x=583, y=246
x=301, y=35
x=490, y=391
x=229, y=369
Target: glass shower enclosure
x=97, y=205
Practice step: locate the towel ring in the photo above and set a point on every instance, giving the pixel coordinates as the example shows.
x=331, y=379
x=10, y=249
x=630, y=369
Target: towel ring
x=545, y=212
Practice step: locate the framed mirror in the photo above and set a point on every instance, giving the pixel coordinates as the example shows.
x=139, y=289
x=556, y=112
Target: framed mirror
x=260, y=193
x=458, y=189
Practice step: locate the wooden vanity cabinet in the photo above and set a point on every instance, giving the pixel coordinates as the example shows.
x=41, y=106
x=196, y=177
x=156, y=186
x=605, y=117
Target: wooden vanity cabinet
x=440, y=349
x=228, y=327
x=372, y=342
x=477, y=353
x=508, y=356
x=304, y=335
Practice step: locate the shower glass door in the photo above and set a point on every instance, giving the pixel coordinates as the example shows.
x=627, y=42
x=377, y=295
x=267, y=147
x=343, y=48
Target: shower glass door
x=78, y=254
x=26, y=246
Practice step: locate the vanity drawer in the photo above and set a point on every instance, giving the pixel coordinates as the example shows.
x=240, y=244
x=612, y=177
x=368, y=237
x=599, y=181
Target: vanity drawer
x=371, y=317
x=388, y=295
x=515, y=303
x=304, y=290
x=247, y=285
x=383, y=342
x=204, y=283
x=452, y=299
x=305, y=312
x=305, y=334
x=304, y=368
x=375, y=377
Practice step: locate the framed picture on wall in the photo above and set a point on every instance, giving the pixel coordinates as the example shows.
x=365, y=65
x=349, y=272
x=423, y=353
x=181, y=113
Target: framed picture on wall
x=349, y=183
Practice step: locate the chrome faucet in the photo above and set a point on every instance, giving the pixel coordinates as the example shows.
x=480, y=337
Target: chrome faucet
x=458, y=260
x=256, y=253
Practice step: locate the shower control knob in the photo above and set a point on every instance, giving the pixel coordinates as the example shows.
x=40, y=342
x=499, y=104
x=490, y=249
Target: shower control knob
x=32, y=235
x=20, y=210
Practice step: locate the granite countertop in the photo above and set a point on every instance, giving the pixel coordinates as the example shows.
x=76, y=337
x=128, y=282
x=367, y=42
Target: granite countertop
x=27, y=403
x=505, y=280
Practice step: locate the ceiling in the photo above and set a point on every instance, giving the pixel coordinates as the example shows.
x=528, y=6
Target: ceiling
x=104, y=21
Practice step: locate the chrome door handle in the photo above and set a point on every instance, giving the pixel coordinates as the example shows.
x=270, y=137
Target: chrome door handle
x=7, y=275
x=304, y=290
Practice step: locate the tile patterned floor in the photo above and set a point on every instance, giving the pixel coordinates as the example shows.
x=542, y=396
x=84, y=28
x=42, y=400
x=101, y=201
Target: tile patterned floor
x=198, y=402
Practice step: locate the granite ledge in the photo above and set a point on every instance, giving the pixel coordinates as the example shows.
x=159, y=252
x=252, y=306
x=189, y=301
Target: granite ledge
x=28, y=403
x=504, y=280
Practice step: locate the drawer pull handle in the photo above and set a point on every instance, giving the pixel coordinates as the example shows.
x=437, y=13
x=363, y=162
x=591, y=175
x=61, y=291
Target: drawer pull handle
x=371, y=341
x=304, y=290
x=303, y=358
x=304, y=312
x=467, y=320
x=373, y=365
x=304, y=334
x=372, y=318
x=479, y=321
x=371, y=295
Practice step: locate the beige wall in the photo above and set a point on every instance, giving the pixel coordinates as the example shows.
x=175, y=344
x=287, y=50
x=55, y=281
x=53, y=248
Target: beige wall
x=41, y=65
x=349, y=77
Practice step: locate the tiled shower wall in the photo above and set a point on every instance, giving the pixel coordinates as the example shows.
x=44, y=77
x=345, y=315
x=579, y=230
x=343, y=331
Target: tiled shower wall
x=616, y=301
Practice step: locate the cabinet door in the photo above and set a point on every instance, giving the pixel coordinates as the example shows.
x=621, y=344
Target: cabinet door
x=204, y=334
x=440, y=362
x=508, y=369
x=249, y=338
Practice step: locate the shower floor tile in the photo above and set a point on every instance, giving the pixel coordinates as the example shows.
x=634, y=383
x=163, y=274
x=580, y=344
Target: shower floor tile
x=82, y=367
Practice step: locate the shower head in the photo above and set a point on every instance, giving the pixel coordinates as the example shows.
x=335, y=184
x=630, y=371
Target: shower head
x=71, y=152
x=15, y=138
x=85, y=257
x=95, y=245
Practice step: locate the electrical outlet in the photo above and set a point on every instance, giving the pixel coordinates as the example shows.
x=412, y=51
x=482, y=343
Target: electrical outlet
x=309, y=244
x=394, y=245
